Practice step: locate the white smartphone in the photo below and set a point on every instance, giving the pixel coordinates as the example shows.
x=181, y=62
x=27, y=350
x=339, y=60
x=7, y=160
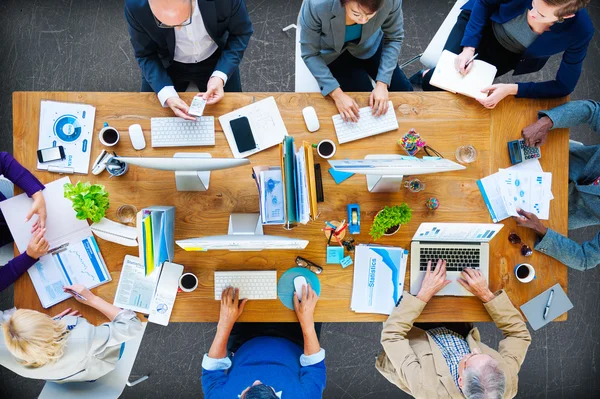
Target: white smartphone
x=197, y=107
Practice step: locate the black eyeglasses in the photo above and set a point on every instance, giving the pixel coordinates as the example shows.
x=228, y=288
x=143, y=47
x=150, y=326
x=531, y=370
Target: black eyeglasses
x=184, y=23
x=515, y=239
x=313, y=267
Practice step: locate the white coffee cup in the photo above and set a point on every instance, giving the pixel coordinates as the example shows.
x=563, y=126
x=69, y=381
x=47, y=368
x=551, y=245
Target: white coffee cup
x=186, y=277
x=326, y=149
x=107, y=135
x=524, y=272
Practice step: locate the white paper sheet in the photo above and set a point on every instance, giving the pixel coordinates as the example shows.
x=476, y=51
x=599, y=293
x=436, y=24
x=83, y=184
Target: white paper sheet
x=135, y=290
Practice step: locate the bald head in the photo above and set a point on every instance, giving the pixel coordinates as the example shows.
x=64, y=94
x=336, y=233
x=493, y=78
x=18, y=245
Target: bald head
x=171, y=12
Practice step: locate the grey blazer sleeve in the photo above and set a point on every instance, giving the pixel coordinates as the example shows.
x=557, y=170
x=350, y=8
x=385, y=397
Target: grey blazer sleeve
x=570, y=253
x=575, y=113
x=123, y=328
x=310, y=49
x=393, y=36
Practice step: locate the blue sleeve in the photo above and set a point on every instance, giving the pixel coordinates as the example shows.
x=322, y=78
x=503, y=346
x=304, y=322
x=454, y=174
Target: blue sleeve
x=480, y=13
x=213, y=382
x=240, y=30
x=313, y=379
x=572, y=254
x=575, y=113
x=566, y=77
x=14, y=269
x=146, y=53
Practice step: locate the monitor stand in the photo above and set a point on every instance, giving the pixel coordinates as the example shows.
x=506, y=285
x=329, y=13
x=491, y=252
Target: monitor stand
x=384, y=183
x=245, y=224
x=190, y=180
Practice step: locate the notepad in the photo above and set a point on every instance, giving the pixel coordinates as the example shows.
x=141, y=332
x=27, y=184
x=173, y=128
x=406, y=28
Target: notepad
x=446, y=76
x=534, y=309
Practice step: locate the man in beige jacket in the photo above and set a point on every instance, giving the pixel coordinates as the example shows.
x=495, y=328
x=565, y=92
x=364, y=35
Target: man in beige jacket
x=441, y=363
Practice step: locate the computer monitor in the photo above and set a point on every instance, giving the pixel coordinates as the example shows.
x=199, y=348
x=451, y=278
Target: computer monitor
x=192, y=170
x=385, y=171
x=245, y=234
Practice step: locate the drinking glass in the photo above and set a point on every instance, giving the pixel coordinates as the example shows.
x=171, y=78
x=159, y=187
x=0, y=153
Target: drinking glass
x=466, y=154
x=126, y=213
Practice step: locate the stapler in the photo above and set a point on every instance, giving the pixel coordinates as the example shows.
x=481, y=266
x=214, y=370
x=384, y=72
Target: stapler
x=100, y=163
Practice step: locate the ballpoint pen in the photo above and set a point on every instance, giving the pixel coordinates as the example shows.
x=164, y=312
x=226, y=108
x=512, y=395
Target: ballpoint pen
x=75, y=294
x=548, y=303
x=471, y=60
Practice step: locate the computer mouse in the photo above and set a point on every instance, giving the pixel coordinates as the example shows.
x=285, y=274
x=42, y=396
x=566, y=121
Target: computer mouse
x=298, y=283
x=311, y=119
x=137, y=137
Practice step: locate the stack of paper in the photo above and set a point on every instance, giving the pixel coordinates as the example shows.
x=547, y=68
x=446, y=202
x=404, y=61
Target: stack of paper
x=378, y=278
x=525, y=186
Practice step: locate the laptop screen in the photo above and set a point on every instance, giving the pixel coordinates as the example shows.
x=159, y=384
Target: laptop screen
x=457, y=232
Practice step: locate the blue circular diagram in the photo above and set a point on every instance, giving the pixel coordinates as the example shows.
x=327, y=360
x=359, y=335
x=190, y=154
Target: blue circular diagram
x=67, y=128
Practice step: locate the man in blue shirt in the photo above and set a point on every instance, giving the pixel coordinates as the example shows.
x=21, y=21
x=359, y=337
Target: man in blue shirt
x=584, y=186
x=267, y=360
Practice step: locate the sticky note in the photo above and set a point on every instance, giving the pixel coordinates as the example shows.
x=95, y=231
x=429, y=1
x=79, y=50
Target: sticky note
x=338, y=176
x=347, y=261
x=334, y=254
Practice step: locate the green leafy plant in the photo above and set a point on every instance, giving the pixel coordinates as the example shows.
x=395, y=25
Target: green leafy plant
x=90, y=201
x=388, y=218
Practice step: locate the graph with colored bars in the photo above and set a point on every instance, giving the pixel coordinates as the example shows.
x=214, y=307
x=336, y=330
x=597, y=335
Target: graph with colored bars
x=456, y=232
x=434, y=232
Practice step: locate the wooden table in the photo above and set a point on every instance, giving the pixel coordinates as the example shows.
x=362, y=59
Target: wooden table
x=444, y=120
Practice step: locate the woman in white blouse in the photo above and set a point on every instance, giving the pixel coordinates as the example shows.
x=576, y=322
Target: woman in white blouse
x=65, y=348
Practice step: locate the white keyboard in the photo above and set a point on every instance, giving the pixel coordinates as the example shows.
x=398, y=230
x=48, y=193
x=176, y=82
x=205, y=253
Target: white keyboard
x=367, y=125
x=178, y=132
x=252, y=284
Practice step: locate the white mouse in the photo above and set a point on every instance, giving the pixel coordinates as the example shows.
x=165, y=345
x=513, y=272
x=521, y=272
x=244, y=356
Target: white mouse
x=137, y=137
x=298, y=283
x=311, y=119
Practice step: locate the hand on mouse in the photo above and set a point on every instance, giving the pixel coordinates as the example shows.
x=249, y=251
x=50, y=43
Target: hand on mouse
x=305, y=309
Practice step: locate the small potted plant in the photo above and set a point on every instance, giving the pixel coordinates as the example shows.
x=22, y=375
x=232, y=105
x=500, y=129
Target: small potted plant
x=389, y=219
x=90, y=201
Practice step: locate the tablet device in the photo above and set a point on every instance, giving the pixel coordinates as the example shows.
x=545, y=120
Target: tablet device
x=242, y=134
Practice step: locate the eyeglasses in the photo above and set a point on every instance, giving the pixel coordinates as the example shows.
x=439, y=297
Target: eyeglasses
x=184, y=23
x=313, y=267
x=514, y=238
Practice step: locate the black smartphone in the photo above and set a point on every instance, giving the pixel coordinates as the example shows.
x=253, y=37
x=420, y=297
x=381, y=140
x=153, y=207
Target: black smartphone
x=242, y=134
x=51, y=154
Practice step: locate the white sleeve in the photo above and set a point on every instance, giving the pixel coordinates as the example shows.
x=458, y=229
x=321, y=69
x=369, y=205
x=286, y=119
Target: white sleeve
x=211, y=364
x=312, y=359
x=165, y=93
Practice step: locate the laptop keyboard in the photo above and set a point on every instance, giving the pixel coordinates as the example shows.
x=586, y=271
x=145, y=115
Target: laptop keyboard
x=456, y=258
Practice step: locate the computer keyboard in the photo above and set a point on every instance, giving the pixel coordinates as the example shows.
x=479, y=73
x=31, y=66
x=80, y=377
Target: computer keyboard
x=367, y=125
x=252, y=284
x=178, y=132
x=456, y=258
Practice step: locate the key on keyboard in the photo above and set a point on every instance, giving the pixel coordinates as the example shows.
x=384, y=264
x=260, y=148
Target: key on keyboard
x=456, y=258
x=178, y=132
x=252, y=284
x=367, y=125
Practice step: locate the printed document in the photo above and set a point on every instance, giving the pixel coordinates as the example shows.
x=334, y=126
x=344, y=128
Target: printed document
x=135, y=290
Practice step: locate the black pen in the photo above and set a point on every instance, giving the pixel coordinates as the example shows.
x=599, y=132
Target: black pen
x=548, y=303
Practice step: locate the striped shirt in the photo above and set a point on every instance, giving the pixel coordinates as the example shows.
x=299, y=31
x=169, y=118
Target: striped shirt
x=453, y=347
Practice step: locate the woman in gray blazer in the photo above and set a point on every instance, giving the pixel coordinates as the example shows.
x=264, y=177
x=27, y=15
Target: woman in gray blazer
x=346, y=42
x=65, y=348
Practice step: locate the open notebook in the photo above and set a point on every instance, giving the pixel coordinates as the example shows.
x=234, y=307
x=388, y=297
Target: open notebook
x=448, y=78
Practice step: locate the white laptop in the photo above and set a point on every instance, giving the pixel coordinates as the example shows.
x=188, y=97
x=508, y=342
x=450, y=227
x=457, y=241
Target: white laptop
x=460, y=244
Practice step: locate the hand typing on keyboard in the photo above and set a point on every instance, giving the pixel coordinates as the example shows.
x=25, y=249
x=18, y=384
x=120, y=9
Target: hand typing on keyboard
x=475, y=282
x=346, y=105
x=378, y=100
x=434, y=281
x=231, y=307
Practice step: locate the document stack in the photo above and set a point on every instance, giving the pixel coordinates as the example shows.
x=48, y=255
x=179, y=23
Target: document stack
x=288, y=193
x=379, y=274
x=525, y=186
x=156, y=226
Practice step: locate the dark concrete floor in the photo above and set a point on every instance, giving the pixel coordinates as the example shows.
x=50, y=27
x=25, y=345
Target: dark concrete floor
x=68, y=45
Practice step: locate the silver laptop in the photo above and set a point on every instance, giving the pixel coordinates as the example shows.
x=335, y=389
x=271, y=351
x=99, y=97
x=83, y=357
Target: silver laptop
x=460, y=244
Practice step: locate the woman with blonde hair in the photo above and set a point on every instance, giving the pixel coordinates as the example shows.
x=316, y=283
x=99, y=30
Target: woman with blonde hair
x=65, y=348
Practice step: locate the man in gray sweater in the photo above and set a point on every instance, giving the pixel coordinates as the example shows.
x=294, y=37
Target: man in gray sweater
x=584, y=186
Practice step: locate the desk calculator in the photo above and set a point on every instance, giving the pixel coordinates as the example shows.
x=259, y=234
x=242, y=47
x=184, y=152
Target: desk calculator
x=519, y=152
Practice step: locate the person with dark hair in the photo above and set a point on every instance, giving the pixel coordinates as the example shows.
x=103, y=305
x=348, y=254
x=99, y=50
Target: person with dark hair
x=584, y=186
x=265, y=360
x=520, y=36
x=346, y=43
